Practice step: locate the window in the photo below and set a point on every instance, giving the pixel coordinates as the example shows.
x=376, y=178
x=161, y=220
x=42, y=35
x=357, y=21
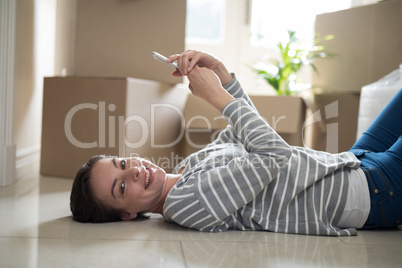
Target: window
x=205, y=21
x=271, y=18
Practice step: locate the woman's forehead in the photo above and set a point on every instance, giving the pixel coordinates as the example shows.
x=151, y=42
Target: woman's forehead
x=102, y=164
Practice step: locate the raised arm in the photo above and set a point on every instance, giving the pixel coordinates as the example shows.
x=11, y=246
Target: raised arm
x=204, y=83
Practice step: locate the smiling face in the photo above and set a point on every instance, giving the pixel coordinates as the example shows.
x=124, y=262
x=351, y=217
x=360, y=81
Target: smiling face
x=132, y=185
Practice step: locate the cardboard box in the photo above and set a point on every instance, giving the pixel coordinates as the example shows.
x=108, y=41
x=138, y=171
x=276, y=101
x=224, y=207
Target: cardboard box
x=115, y=38
x=286, y=114
x=332, y=123
x=203, y=123
x=86, y=116
x=367, y=44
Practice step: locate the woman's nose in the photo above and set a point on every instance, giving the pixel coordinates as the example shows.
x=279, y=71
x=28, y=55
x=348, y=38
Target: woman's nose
x=134, y=173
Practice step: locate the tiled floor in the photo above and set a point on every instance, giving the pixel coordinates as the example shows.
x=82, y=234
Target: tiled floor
x=36, y=230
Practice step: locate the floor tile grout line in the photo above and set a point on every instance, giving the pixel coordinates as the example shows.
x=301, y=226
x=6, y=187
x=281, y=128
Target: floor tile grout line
x=176, y=240
x=181, y=242
x=91, y=239
x=160, y=240
x=182, y=253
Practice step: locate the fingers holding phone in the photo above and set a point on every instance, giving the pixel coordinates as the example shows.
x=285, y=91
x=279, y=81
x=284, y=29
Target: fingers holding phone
x=185, y=62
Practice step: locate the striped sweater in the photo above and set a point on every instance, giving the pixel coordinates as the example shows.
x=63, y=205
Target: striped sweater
x=249, y=178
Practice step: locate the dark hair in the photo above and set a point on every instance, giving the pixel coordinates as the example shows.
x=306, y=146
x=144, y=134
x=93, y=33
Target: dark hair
x=83, y=204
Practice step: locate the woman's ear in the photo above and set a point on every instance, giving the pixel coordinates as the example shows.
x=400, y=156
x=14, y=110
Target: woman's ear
x=125, y=216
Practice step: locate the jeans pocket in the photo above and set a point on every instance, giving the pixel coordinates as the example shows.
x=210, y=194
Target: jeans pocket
x=358, y=152
x=376, y=181
x=391, y=210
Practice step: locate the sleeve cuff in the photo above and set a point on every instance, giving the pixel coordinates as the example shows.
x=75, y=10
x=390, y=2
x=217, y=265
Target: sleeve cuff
x=231, y=83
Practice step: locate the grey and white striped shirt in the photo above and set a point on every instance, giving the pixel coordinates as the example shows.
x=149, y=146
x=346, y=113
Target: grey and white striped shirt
x=249, y=178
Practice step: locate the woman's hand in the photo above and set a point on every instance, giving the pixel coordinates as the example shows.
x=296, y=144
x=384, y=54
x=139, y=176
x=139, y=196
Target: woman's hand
x=190, y=58
x=204, y=83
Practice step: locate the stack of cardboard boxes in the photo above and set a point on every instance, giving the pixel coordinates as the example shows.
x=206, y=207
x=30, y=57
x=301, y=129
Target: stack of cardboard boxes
x=368, y=45
x=114, y=98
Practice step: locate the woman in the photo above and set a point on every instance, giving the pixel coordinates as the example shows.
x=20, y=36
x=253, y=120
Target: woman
x=249, y=178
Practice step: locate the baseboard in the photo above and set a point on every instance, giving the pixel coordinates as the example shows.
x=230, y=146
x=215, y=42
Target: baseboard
x=27, y=162
x=7, y=165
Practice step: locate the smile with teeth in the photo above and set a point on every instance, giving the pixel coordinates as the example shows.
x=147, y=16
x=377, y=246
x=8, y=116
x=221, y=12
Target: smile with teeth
x=146, y=179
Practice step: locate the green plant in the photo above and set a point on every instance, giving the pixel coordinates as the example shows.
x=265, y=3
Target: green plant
x=282, y=75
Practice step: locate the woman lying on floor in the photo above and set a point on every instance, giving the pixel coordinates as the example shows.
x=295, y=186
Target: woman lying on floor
x=249, y=178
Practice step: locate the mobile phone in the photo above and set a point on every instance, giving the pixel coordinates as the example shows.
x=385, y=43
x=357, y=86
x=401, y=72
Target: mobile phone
x=163, y=59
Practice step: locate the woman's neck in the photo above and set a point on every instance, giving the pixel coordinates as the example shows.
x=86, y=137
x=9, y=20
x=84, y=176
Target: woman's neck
x=171, y=180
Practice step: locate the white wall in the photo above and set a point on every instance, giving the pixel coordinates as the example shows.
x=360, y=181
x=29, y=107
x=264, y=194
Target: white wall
x=34, y=59
x=7, y=38
x=65, y=37
x=356, y=3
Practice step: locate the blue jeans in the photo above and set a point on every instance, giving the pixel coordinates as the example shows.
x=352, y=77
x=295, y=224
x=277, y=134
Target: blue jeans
x=380, y=152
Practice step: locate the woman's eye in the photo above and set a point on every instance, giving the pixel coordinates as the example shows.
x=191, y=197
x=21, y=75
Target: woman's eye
x=123, y=164
x=122, y=186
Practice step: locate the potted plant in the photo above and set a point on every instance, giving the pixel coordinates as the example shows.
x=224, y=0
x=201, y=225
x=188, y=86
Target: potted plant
x=283, y=74
x=286, y=114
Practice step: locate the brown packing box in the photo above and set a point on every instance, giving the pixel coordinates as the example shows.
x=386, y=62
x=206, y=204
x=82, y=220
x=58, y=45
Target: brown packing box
x=333, y=122
x=367, y=43
x=286, y=114
x=203, y=122
x=115, y=38
x=86, y=116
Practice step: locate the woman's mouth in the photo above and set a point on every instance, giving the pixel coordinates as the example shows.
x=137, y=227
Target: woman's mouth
x=148, y=174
